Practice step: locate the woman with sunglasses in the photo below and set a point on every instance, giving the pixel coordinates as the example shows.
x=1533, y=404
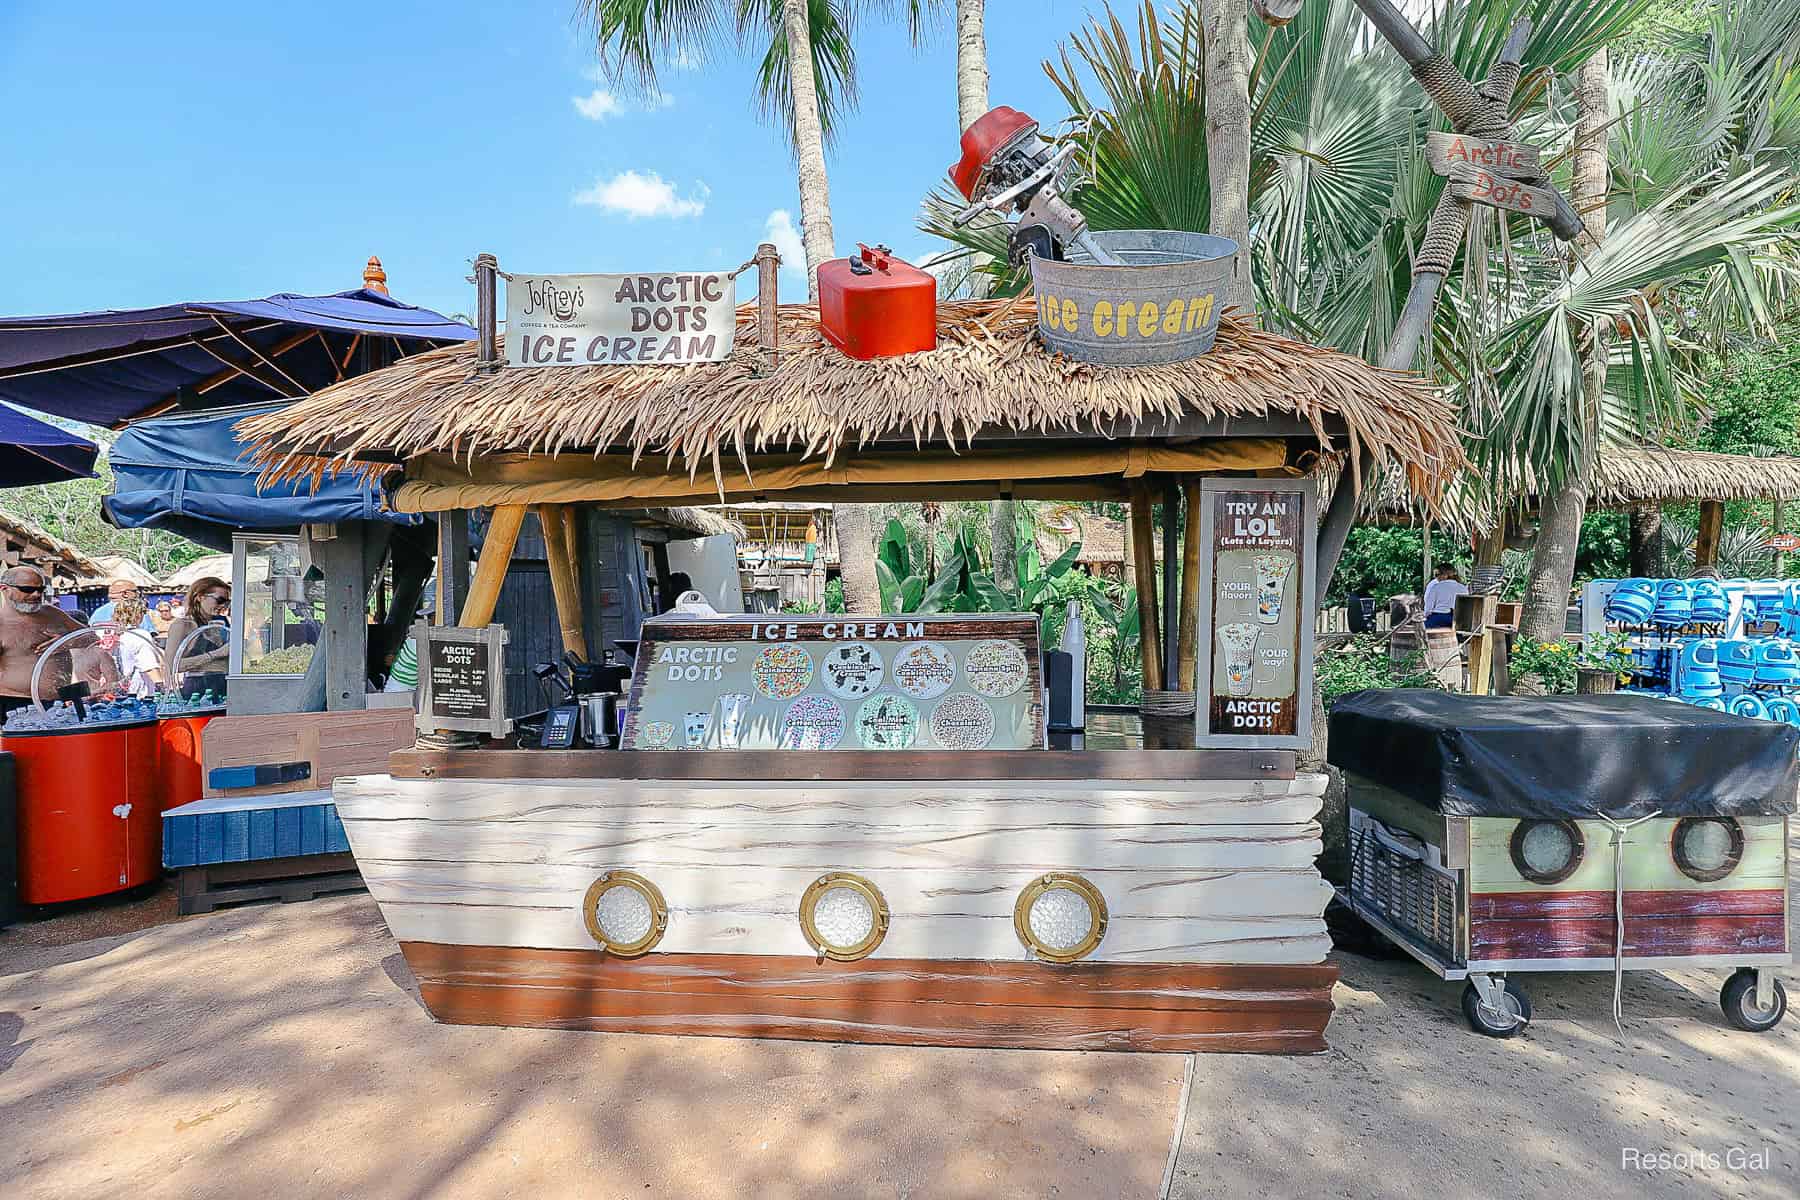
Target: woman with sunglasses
x=203, y=666
x=27, y=625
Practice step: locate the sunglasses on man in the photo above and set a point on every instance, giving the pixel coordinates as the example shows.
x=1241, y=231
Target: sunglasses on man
x=27, y=588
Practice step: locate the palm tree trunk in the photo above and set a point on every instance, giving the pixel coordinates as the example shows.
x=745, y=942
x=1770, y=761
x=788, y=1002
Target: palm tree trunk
x=1003, y=531
x=1646, y=540
x=1559, y=528
x=855, y=525
x=1228, y=133
x=809, y=144
x=971, y=61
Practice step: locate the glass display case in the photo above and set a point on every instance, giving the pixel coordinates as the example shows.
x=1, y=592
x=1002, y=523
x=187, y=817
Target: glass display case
x=276, y=613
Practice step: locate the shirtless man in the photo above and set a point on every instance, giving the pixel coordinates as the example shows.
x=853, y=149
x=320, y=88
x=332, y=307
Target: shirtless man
x=27, y=625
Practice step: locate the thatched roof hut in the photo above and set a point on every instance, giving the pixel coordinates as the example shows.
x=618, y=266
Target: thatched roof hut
x=1648, y=474
x=24, y=544
x=987, y=413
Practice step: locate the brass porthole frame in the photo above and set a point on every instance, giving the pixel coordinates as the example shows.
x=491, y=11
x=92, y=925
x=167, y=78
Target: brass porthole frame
x=1516, y=850
x=659, y=913
x=1733, y=856
x=1069, y=882
x=809, y=902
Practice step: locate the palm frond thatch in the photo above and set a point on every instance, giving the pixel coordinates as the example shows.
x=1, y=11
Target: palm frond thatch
x=988, y=372
x=1653, y=474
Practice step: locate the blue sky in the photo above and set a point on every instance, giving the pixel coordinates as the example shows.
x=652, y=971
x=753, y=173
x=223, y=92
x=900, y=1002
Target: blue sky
x=206, y=149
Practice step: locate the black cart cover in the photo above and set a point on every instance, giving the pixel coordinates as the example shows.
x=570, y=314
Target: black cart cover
x=1565, y=756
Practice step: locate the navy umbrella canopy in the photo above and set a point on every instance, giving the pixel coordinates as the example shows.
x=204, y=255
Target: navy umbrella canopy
x=33, y=451
x=109, y=368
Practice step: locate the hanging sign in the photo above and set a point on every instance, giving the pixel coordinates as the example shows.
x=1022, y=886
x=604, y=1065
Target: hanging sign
x=462, y=679
x=1456, y=155
x=1785, y=542
x=619, y=320
x=1256, y=617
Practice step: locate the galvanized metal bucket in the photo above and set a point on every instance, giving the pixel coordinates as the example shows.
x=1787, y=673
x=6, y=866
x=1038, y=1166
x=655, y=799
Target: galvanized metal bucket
x=1161, y=306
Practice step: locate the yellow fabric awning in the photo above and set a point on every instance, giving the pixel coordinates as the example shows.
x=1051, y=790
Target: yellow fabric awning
x=437, y=483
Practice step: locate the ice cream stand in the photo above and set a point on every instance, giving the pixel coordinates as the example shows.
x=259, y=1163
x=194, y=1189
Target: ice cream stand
x=855, y=828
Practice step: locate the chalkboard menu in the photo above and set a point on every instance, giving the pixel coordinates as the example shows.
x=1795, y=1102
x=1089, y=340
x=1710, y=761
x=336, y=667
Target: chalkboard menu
x=1256, y=613
x=776, y=682
x=462, y=684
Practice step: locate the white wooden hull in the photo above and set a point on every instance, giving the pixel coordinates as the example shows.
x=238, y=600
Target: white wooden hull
x=1214, y=936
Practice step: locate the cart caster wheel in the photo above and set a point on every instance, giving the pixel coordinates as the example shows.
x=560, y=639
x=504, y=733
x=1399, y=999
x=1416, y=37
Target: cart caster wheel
x=1738, y=1001
x=1510, y=1021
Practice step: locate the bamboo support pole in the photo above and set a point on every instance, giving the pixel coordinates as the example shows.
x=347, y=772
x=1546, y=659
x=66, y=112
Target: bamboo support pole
x=1143, y=555
x=1188, y=647
x=490, y=569
x=1780, y=527
x=564, y=582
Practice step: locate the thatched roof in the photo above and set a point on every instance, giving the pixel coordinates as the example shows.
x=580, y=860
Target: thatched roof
x=117, y=566
x=700, y=521
x=1102, y=538
x=25, y=544
x=988, y=372
x=1652, y=473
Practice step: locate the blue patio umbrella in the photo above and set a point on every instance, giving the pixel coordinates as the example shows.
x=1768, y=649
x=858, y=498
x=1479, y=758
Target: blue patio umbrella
x=34, y=451
x=113, y=367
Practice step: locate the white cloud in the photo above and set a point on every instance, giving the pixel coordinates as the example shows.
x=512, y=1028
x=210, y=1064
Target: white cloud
x=598, y=105
x=636, y=194
x=686, y=60
x=781, y=230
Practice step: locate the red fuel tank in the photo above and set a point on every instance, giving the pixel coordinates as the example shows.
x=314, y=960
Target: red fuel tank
x=876, y=306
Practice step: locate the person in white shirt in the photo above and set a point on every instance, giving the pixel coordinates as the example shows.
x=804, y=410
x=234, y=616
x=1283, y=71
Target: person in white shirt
x=1440, y=597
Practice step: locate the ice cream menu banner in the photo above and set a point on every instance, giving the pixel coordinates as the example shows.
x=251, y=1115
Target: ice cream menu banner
x=1258, y=540
x=780, y=682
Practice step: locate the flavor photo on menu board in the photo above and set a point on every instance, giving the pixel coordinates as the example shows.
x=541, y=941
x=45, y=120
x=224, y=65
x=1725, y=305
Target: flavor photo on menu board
x=816, y=684
x=1258, y=537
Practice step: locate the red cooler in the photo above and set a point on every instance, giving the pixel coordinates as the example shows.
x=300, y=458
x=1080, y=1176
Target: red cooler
x=178, y=759
x=89, y=819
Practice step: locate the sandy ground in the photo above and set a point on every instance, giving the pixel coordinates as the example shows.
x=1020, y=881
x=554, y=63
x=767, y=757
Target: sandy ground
x=280, y=1051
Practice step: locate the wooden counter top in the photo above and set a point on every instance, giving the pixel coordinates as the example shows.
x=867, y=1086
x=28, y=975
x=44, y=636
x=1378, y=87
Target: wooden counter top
x=800, y=766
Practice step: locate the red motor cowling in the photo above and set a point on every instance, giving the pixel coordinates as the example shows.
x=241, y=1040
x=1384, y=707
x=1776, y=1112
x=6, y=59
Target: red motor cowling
x=991, y=133
x=877, y=306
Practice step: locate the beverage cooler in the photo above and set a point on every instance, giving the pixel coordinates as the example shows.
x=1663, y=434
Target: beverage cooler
x=88, y=815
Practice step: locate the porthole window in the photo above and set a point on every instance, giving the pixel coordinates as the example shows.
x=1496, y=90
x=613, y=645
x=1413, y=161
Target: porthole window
x=1546, y=851
x=625, y=913
x=1060, y=918
x=1707, y=848
x=844, y=916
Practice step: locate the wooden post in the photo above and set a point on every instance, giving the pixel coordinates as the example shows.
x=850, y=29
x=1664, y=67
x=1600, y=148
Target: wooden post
x=1427, y=582
x=1706, y=543
x=1171, y=584
x=452, y=563
x=1475, y=615
x=1143, y=557
x=1187, y=650
x=487, y=271
x=768, y=306
x=564, y=583
x=490, y=570
x=1780, y=557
